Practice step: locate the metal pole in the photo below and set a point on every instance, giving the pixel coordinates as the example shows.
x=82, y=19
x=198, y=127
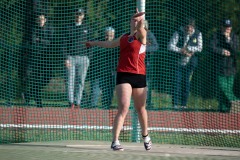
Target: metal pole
x=136, y=130
x=141, y=5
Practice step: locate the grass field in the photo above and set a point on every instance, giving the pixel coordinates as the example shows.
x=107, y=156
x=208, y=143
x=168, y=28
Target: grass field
x=160, y=101
x=41, y=135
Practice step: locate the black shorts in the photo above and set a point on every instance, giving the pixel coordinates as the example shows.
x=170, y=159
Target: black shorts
x=135, y=80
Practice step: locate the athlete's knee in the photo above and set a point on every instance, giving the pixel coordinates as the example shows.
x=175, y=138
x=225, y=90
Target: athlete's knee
x=123, y=111
x=140, y=109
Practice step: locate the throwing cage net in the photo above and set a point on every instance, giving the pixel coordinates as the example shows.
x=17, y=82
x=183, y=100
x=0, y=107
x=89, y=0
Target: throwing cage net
x=54, y=88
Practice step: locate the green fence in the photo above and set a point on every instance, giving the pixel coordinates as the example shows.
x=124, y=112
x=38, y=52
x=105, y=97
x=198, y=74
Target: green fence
x=35, y=83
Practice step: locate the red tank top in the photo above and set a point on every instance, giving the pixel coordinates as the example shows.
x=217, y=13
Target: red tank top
x=132, y=55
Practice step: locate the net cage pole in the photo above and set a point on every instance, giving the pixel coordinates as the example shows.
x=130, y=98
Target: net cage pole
x=141, y=5
x=136, y=131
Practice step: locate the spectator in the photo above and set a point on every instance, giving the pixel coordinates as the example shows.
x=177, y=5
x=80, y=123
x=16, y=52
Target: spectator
x=131, y=77
x=186, y=43
x=104, y=72
x=39, y=67
x=225, y=45
x=7, y=63
x=77, y=61
x=152, y=46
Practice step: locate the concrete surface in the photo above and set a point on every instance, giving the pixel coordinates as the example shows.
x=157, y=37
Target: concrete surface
x=96, y=150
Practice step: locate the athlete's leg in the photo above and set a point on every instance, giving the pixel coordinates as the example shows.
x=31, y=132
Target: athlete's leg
x=124, y=92
x=139, y=98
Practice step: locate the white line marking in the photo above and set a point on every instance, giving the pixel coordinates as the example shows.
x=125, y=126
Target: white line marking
x=160, y=129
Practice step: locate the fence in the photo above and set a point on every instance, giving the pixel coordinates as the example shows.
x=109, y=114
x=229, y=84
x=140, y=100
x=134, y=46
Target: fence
x=35, y=88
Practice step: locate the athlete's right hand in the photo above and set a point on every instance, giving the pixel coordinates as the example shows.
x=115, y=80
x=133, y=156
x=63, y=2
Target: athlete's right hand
x=226, y=53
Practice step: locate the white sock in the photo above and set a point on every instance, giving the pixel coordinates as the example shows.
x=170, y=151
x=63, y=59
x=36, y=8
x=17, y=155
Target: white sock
x=146, y=139
x=116, y=143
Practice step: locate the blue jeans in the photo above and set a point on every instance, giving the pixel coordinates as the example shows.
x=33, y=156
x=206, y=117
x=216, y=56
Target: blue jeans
x=149, y=84
x=106, y=84
x=181, y=85
x=76, y=75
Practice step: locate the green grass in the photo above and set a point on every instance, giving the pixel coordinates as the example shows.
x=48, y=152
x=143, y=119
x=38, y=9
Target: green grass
x=163, y=101
x=54, y=94
x=38, y=135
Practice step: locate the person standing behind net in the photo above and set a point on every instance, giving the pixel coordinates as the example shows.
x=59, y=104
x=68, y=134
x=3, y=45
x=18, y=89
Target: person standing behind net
x=39, y=70
x=131, y=77
x=225, y=44
x=186, y=43
x=7, y=63
x=152, y=46
x=76, y=58
x=103, y=76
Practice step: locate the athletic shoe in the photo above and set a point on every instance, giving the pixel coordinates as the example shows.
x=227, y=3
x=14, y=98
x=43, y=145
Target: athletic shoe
x=116, y=147
x=175, y=107
x=148, y=145
x=71, y=106
x=9, y=104
x=77, y=106
x=183, y=107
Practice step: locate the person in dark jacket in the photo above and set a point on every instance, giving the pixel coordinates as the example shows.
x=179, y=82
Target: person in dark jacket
x=225, y=44
x=39, y=66
x=185, y=43
x=103, y=68
x=7, y=64
x=152, y=46
x=76, y=58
